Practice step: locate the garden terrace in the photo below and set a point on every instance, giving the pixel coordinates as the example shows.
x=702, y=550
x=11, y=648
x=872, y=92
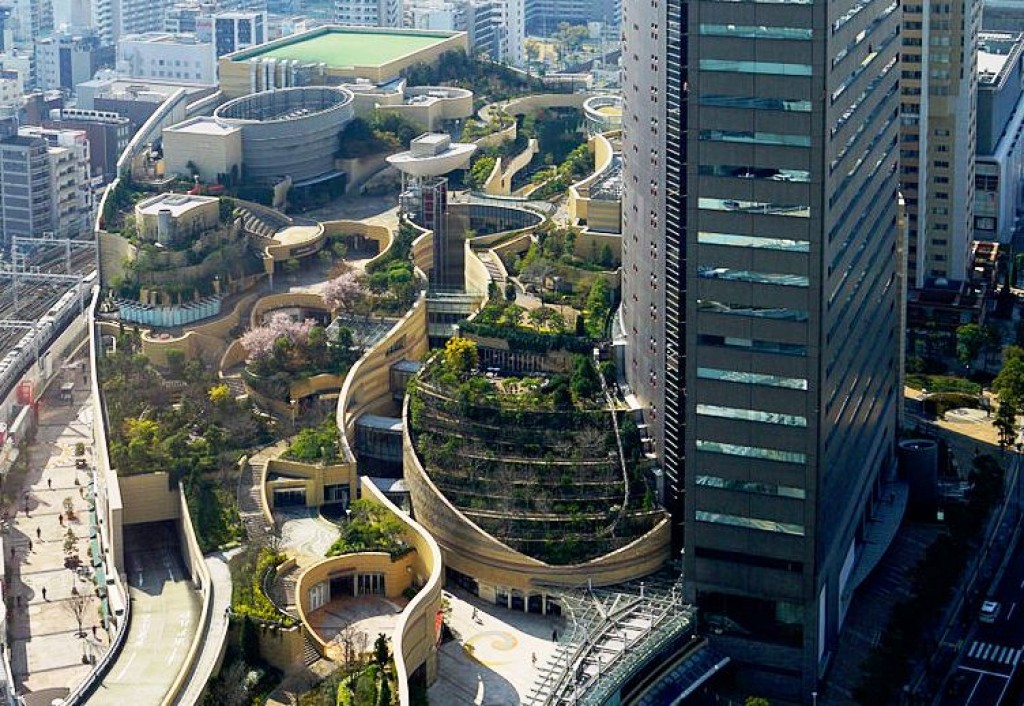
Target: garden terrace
x=531, y=463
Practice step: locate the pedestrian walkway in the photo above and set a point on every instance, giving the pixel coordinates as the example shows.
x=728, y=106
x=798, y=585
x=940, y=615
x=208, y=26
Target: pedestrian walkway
x=55, y=633
x=498, y=655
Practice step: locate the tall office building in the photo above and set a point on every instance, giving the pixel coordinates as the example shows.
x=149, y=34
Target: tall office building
x=938, y=136
x=761, y=304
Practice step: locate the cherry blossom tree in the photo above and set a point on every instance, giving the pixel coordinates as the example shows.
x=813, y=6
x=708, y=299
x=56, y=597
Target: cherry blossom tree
x=259, y=342
x=343, y=292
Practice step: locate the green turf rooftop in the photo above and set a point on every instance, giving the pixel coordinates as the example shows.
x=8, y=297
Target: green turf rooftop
x=342, y=49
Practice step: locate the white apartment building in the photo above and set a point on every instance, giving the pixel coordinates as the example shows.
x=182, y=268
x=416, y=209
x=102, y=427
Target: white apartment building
x=180, y=58
x=368, y=13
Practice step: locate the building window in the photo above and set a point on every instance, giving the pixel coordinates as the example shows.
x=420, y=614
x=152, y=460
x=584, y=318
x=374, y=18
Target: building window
x=752, y=241
x=758, y=452
x=772, y=68
x=752, y=415
x=745, y=378
x=753, y=345
x=755, y=32
x=754, y=103
x=755, y=138
x=756, y=207
x=744, y=486
x=753, y=523
x=757, y=312
x=726, y=273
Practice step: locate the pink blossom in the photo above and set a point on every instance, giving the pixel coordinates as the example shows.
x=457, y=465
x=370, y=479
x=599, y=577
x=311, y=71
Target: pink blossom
x=343, y=291
x=259, y=342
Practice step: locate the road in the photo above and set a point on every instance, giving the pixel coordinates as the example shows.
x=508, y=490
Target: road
x=165, y=616
x=991, y=655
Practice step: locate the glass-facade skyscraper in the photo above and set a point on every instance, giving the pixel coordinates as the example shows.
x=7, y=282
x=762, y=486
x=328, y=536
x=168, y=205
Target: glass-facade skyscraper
x=761, y=303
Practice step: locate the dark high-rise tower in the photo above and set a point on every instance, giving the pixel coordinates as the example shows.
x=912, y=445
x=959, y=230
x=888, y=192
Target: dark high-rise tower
x=760, y=300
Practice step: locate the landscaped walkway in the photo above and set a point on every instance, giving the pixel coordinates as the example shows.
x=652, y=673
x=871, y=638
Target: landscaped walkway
x=498, y=656
x=46, y=649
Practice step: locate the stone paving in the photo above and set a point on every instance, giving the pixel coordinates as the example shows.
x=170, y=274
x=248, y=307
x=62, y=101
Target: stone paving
x=369, y=615
x=498, y=654
x=48, y=654
x=303, y=531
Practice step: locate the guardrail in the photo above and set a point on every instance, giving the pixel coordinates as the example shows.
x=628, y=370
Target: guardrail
x=206, y=613
x=85, y=689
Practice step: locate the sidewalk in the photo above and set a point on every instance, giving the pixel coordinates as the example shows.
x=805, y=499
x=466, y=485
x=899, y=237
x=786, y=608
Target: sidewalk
x=47, y=651
x=497, y=657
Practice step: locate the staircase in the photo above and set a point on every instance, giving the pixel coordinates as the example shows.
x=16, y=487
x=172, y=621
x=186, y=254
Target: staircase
x=282, y=592
x=309, y=652
x=249, y=507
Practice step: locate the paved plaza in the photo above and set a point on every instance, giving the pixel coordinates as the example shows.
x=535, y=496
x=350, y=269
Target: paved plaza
x=369, y=615
x=48, y=654
x=497, y=657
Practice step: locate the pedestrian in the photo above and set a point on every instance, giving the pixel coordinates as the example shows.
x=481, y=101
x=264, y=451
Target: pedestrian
x=44, y=593
x=17, y=599
x=94, y=632
x=30, y=545
x=39, y=533
x=533, y=658
x=61, y=518
x=554, y=635
x=49, y=483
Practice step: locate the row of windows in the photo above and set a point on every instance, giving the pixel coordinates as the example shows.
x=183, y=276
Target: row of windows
x=798, y=176
x=758, y=452
x=755, y=103
x=862, y=67
x=752, y=415
x=750, y=523
x=863, y=34
x=726, y=273
x=745, y=486
x=755, y=32
x=759, y=207
x=755, y=138
x=753, y=241
x=745, y=378
x=757, y=312
x=772, y=68
x=752, y=345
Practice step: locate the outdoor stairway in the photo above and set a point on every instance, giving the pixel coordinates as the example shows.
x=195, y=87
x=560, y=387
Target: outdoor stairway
x=249, y=506
x=235, y=385
x=309, y=652
x=282, y=593
x=497, y=276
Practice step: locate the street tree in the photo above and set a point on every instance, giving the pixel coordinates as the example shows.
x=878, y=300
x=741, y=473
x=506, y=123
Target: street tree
x=76, y=605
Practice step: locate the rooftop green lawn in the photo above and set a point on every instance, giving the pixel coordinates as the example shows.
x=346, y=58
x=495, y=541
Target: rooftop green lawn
x=343, y=49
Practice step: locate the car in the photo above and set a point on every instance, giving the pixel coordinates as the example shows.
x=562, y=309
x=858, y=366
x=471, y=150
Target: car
x=989, y=611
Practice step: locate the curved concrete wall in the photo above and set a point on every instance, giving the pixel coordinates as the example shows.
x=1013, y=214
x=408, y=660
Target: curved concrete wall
x=381, y=234
x=288, y=143
x=470, y=550
x=415, y=637
x=368, y=385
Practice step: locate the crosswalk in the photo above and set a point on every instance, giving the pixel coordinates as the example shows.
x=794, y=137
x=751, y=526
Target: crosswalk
x=998, y=654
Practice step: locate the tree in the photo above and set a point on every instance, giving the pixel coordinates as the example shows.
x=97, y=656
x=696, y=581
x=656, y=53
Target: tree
x=970, y=340
x=384, y=696
x=1009, y=383
x=757, y=701
x=343, y=292
x=1005, y=423
x=598, y=307
x=461, y=355
x=76, y=606
x=219, y=394
x=380, y=649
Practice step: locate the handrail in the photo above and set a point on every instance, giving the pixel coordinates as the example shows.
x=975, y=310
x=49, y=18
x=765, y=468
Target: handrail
x=100, y=450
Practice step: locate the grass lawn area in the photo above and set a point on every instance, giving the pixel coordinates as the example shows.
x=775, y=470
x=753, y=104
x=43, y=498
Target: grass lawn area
x=943, y=383
x=351, y=48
